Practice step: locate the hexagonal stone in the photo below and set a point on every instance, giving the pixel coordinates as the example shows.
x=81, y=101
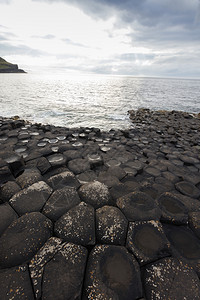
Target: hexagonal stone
x=95, y=160
x=8, y=189
x=15, y=283
x=185, y=243
x=117, y=172
x=31, y=198
x=119, y=190
x=23, y=238
x=147, y=241
x=43, y=165
x=16, y=164
x=77, y=225
x=107, y=179
x=43, y=256
x=112, y=273
x=5, y=175
x=57, y=159
x=79, y=165
x=29, y=177
x=173, y=210
x=86, y=177
x=194, y=222
x=138, y=206
x=188, y=189
x=64, y=273
x=170, y=278
x=60, y=202
x=95, y=193
x=111, y=225
x=7, y=216
x=152, y=171
x=189, y=160
x=63, y=179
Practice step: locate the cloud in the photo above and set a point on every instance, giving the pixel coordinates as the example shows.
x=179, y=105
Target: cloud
x=46, y=37
x=145, y=15
x=70, y=42
x=5, y=1
x=9, y=49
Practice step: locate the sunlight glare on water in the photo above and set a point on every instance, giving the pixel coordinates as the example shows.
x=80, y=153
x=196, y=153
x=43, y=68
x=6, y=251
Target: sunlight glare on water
x=92, y=100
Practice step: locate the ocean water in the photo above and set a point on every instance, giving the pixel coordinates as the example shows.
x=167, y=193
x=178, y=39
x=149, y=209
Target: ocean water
x=92, y=100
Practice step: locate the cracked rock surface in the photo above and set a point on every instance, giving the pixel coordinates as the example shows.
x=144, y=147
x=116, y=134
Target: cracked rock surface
x=87, y=214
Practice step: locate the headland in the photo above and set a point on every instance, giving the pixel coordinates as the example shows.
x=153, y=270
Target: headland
x=6, y=67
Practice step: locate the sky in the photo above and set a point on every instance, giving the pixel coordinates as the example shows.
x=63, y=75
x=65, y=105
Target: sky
x=130, y=37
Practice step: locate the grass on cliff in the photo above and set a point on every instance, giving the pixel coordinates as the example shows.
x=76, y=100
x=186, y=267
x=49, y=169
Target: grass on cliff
x=4, y=64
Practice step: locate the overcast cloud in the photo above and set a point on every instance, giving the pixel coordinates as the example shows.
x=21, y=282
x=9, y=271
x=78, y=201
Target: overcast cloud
x=146, y=37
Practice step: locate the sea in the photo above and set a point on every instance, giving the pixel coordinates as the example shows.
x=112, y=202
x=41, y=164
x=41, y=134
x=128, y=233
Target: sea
x=101, y=101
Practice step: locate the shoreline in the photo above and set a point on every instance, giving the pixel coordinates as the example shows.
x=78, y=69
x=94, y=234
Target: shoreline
x=111, y=213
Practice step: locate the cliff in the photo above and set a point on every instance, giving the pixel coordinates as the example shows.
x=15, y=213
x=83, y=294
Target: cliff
x=6, y=67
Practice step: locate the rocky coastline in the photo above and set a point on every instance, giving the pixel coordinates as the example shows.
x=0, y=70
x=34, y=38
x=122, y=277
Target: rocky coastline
x=87, y=214
x=6, y=67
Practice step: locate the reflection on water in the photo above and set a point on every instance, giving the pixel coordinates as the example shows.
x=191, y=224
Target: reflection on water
x=93, y=101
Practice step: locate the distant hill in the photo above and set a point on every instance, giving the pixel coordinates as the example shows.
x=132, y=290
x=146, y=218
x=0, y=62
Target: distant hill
x=6, y=67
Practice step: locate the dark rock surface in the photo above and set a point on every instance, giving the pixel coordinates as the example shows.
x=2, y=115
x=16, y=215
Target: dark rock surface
x=112, y=273
x=23, y=238
x=170, y=278
x=15, y=283
x=30, y=199
x=140, y=193
x=77, y=225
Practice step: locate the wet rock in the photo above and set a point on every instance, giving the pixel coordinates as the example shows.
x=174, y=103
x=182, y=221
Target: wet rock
x=72, y=154
x=152, y=171
x=189, y=160
x=86, y=177
x=29, y=177
x=79, y=165
x=194, y=222
x=173, y=210
x=63, y=179
x=57, y=160
x=31, y=198
x=119, y=190
x=136, y=165
x=112, y=273
x=170, y=278
x=16, y=164
x=111, y=226
x=43, y=256
x=23, y=238
x=139, y=206
x=77, y=225
x=170, y=176
x=191, y=203
x=185, y=243
x=95, y=160
x=148, y=189
x=188, y=189
x=64, y=273
x=108, y=179
x=7, y=216
x=8, y=189
x=15, y=283
x=60, y=202
x=43, y=165
x=95, y=194
x=147, y=241
x=5, y=175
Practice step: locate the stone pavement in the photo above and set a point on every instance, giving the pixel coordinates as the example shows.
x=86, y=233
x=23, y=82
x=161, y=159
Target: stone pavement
x=86, y=214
